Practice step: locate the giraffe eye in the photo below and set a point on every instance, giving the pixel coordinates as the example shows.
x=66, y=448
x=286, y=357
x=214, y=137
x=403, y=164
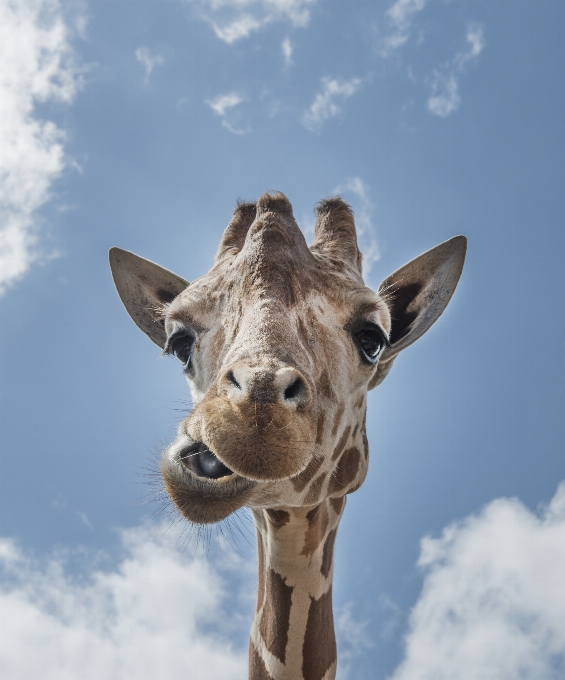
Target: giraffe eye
x=181, y=346
x=371, y=342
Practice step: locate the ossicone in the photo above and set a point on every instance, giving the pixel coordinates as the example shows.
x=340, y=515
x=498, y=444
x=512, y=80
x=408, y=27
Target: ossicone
x=335, y=235
x=236, y=231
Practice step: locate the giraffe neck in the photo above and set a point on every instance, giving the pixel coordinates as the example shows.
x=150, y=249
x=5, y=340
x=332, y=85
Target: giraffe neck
x=292, y=636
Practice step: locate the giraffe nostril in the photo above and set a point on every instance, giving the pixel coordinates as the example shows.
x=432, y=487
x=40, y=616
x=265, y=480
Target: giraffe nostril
x=294, y=390
x=231, y=377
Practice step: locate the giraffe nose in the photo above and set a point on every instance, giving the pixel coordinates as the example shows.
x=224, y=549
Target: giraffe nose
x=286, y=386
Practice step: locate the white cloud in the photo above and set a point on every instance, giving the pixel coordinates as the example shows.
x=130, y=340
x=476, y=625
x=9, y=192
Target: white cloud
x=400, y=17
x=287, y=51
x=239, y=28
x=493, y=601
x=148, y=60
x=36, y=66
x=324, y=105
x=222, y=104
x=357, y=193
x=353, y=639
x=157, y=614
x=445, y=98
x=233, y=20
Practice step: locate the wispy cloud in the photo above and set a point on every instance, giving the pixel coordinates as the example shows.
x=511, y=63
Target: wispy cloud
x=400, y=17
x=445, y=98
x=325, y=104
x=148, y=60
x=223, y=102
x=353, y=639
x=493, y=601
x=233, y=20
x=38, y=65
x=157, y=614
x=287, y=50
x=356, y=192
x=222, y=105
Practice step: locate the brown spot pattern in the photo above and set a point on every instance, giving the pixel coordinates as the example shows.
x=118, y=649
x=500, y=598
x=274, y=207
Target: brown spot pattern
x=327, y=555
x=360, y=402
x=218, y=341
x=257, y=670
x=325, y=387
x=354, y=433
x=365, y=444
x=320, y=428
x=318, y=520
x=299, y=482
x=337, y=419
x=314, y=492
x=341, y=443
x=319, y=649
x=354, y=488
x=278, y=518
x=346, y=470
x=275, y=619
x=337, y=504
x=260, y=573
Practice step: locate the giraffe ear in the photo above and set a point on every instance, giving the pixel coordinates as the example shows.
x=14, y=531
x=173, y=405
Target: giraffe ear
x=417, y=294
x=144, y=287
x=335, y=235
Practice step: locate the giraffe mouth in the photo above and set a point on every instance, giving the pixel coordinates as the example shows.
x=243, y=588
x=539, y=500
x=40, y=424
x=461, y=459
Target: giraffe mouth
x=202, y=462
x=201, y=486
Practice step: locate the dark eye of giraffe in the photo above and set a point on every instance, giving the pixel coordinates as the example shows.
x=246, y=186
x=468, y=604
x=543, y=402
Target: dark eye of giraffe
x=181, y=345
x=371, y=340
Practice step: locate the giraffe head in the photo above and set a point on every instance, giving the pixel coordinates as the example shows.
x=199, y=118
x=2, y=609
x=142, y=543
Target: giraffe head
x=280, y=344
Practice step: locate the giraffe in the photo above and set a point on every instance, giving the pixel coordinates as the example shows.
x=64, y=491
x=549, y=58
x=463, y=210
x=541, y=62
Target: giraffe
x=280, y=343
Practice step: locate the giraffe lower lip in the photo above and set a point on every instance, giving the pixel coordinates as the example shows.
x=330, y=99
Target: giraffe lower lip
x=203, y=463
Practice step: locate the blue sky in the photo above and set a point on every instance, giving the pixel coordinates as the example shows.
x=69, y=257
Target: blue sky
x=139, y=124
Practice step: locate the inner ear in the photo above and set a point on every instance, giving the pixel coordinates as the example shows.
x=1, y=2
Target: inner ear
x=416, y=296
x=144, y=287
x=418, y=292
x=402, y=308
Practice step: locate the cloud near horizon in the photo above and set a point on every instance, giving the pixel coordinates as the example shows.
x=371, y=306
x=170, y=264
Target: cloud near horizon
x=38, y=66
x=493, y=601
x=156, y=614
x=492, y=605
